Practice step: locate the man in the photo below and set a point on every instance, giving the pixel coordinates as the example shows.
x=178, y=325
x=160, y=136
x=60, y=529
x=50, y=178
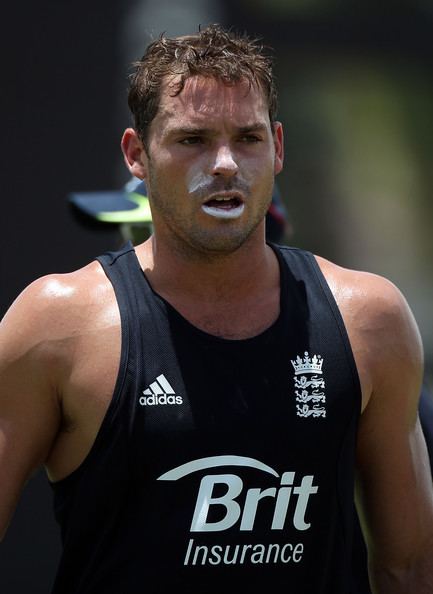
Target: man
x=196, y=400
x=129, y=209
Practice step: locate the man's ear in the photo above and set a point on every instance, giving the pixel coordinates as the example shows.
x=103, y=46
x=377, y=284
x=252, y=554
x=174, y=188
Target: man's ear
x=134, y=154
x=279, y=147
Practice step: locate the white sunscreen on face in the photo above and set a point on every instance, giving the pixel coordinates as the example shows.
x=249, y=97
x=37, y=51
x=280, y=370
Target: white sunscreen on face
x=197, y=182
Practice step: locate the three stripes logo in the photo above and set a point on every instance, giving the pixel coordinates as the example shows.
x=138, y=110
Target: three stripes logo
x=160, y=392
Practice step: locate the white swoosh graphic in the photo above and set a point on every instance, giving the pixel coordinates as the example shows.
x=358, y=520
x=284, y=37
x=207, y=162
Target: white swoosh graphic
x=213, y=462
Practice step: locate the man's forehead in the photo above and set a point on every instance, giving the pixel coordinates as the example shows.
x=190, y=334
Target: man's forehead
x=199, y=89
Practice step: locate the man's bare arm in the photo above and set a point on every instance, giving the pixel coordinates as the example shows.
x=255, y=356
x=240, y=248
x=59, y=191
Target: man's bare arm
x=30, y=412
x=394, y=486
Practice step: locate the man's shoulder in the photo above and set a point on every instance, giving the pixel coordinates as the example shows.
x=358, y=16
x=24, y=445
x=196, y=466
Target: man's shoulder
x=366, y=292
x=54, y=308
x=60, y=292
x=380, y=323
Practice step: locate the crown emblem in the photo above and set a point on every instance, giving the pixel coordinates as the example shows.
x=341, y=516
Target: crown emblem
x=307, y=364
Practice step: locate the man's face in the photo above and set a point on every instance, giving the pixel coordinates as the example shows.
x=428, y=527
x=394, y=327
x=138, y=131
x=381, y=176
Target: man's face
x=210, y=165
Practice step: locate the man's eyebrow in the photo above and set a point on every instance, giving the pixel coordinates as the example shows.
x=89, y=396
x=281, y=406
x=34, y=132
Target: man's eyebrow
x=198, y=131
x=256, y=127
x=190, y=130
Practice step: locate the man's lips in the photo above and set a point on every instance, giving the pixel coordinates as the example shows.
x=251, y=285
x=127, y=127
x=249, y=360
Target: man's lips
x=224, y=202
x=227, y=205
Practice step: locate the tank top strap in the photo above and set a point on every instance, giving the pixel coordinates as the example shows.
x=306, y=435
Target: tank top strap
x=324, y=321
x=147, y=347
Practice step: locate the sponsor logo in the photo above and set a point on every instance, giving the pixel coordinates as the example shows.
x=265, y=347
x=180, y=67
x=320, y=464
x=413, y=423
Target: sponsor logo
x=238, y=507
x=255, y=554
x=309, y=386
x=160, y=392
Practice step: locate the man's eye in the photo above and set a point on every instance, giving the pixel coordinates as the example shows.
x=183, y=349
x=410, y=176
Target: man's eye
x=250, y=138
x=191, y=140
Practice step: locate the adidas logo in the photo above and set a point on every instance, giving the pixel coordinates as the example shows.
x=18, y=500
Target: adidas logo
x=159, y=392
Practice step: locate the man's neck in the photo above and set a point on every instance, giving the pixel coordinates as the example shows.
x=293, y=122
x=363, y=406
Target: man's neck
x=211, y=277
x=233, y=296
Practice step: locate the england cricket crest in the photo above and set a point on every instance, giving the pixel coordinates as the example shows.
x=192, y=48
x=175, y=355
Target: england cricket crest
x=309, y=386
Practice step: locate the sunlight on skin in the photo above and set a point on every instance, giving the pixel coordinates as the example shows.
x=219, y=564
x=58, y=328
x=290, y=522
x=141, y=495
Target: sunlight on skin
x=55, y=288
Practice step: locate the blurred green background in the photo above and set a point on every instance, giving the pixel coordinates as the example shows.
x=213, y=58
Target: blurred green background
x=356, y=101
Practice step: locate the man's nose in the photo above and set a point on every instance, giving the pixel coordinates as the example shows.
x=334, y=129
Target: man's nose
x=225, y=162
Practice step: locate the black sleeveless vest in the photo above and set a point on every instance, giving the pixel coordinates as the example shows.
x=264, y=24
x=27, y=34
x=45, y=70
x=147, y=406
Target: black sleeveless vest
x=221, y=465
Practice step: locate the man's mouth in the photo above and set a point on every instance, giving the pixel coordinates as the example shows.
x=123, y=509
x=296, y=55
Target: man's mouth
x=224, y=207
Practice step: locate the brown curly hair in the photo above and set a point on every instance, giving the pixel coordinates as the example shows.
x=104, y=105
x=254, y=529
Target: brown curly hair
x=213, y=52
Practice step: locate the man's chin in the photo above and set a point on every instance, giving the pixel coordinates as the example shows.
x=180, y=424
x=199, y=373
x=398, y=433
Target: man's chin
x=222, y=244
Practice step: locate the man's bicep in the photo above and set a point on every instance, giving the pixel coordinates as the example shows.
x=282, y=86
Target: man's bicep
x=29, y=411
x=394, y=494
x=394, y=487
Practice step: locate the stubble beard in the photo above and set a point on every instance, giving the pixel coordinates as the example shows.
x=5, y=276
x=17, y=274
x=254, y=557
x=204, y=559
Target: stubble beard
x=187, y=236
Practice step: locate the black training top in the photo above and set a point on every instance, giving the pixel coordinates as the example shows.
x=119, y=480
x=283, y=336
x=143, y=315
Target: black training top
x=221, y=465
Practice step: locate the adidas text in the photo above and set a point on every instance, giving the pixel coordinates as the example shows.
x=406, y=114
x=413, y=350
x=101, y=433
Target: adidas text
x=154, y=400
